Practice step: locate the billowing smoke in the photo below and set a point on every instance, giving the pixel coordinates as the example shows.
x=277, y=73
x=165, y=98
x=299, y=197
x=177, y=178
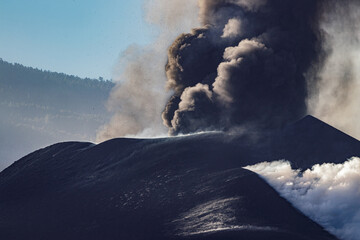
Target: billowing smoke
x=139, y=96
x=244, y=67
x=136, y=98
x=328, y=193
x=245, y=63
x=335, y=89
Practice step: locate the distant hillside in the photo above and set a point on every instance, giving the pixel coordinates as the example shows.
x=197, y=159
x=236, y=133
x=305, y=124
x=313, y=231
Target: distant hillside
x=40, y=107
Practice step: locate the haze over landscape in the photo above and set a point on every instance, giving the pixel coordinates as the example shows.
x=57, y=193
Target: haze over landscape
x=39, y=108
x=214, y=119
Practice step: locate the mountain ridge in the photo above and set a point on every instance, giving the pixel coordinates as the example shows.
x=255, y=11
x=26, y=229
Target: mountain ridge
x=191, y=187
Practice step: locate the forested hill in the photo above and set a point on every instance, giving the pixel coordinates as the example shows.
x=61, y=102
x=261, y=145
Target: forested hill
x=40, y=107
x=20, y=82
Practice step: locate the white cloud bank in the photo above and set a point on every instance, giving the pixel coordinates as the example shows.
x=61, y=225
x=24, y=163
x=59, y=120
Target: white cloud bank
x=328, y=193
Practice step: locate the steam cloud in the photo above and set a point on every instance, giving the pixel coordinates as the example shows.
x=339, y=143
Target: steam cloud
x=328, y=193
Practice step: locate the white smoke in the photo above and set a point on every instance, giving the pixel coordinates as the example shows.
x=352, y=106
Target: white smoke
x=232, y=28
x=335, y=87
x=139, y=97
x=328, y=193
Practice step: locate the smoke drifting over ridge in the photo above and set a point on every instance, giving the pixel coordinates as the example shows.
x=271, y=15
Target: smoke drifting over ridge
x=328, y=193
x=245, y=66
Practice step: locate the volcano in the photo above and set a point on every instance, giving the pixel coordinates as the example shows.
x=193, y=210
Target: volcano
x=187, y=187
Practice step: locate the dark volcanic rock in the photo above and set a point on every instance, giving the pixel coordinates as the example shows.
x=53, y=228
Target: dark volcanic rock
x=190, y=187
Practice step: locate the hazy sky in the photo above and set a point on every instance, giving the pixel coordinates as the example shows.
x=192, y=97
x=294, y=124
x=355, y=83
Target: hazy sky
x=79, y=37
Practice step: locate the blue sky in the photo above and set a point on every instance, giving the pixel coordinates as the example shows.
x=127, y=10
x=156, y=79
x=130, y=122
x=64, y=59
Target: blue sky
x=78, y=37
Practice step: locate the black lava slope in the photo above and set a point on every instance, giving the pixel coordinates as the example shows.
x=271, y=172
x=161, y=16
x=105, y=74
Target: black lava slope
x=191, y=187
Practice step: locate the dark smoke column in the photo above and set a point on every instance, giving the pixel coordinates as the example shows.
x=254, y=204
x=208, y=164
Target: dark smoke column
x=244, y=67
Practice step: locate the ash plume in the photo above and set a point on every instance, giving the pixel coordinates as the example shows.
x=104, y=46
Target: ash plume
x=245, y=64
x=244, y=67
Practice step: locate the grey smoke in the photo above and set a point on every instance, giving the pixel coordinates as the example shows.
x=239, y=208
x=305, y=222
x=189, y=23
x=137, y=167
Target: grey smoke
x=244, y=66
x=328, y=193
x=335, y=82
x=209, y=8
x=137, y=99
x=139, y=96
x=245, y=63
